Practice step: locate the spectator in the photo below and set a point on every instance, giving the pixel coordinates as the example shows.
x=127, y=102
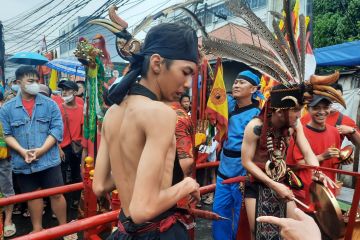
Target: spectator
x=81, y=86
x=6, y=186
x=13, y=90
x=345, y=125
x=32, y=126
x=242, y=107
x=70, y=152
x=45, y=90
x=324, y=141
x=185, y=103
x=58, y=99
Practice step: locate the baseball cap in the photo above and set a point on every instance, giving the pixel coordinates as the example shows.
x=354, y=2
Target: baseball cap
x=68, y=85
x=318, y=98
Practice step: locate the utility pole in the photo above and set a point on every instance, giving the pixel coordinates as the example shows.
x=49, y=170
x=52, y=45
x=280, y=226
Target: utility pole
x=2, y=55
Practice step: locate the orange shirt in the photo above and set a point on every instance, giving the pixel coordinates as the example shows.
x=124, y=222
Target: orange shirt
x=29, y=105
x=76, y=121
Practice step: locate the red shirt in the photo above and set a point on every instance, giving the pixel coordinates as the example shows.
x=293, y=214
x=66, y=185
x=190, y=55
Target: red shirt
x=184, y=132
x=29, y=105
x=58, y=99
x=319, y=141
x=331, y=120
x=76, y=121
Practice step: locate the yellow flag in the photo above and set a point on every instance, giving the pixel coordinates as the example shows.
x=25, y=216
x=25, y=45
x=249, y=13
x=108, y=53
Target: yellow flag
x=296, y=18
x=217, y=105
x=53, y=80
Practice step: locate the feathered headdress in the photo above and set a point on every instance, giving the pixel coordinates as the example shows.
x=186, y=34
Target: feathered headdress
x=284, y=60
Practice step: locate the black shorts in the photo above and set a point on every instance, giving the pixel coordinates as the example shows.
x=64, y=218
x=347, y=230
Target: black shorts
x=47, y=178
x=251, y=189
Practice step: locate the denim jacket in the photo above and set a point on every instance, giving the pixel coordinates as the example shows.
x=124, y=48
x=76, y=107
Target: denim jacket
x=32, y=133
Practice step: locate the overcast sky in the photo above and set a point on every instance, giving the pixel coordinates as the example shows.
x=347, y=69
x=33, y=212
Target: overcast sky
x=10, y=9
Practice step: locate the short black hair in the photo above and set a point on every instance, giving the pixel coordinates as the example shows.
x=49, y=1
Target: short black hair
x=25, y=71
x=184, y=96
x=146, y=64
x=337, y=86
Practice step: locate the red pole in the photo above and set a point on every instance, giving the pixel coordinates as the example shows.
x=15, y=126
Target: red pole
x=353, y=211
x=235, y=180
x=207, y=164
x=194, y=103
x=90, y=203
x=72, y=227
x=354, y=174
x=1, y=221
x=207, y=189
x=40, y=194
x=204, y=87
x=204, y=214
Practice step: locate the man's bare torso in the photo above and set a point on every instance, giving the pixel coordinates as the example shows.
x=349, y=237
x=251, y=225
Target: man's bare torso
x=124, y=131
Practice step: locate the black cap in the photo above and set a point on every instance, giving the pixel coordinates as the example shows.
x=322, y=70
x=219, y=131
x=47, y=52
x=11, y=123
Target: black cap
x=68, y=85
x=318, y=98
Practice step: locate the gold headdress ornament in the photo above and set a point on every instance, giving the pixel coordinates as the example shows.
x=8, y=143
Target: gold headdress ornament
x=126, y=44
x=284, y=61
x=87, y=53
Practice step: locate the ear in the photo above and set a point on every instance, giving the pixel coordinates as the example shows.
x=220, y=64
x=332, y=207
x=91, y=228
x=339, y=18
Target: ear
x=17, y=81
x=155, y=63
x=254, y=89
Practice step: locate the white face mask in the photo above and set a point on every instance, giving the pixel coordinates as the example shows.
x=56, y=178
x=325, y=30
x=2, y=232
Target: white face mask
x=68, y=99
x=337, y=107
x=32, y=89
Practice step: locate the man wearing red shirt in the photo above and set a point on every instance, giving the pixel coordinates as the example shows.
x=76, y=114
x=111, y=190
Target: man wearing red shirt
x=345, y=125
x=324, y=140
x=73, y=120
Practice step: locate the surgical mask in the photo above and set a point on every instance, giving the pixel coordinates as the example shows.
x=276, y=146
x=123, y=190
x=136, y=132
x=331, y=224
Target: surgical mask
x=68, y=99
x=32, y=89
x=338, y=107
x=15, y=87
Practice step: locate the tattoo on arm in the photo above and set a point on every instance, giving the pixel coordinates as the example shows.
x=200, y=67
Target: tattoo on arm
x=257, y=130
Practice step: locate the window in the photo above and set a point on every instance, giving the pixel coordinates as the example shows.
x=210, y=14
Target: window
x=254, y=4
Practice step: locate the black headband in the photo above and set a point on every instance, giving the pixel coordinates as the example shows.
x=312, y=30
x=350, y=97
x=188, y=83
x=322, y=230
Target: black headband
x=169, y=40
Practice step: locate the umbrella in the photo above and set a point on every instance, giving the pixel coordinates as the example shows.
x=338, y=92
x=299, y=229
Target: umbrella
x=28, y=58
x=69, y=66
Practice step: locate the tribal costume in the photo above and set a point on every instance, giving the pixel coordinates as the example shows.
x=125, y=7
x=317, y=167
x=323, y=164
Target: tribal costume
x=172, y=42
x=283, y=61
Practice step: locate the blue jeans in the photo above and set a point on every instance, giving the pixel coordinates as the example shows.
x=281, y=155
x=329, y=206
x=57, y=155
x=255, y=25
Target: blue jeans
x=227, y=203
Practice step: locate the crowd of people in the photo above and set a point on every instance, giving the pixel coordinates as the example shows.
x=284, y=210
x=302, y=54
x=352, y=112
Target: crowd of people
x=149, y=157
x=37, y=131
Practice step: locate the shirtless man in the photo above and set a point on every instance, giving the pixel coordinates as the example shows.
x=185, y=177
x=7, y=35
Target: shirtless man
x=137, y=150
x=264, y=138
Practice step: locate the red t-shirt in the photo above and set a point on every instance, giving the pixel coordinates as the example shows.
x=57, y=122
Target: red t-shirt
x=59, y=100
x=331, y=120
x=29, y=105
x=76, y=121
x=319, y=141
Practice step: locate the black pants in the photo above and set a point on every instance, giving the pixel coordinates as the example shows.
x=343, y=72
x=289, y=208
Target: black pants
x=70, y=169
